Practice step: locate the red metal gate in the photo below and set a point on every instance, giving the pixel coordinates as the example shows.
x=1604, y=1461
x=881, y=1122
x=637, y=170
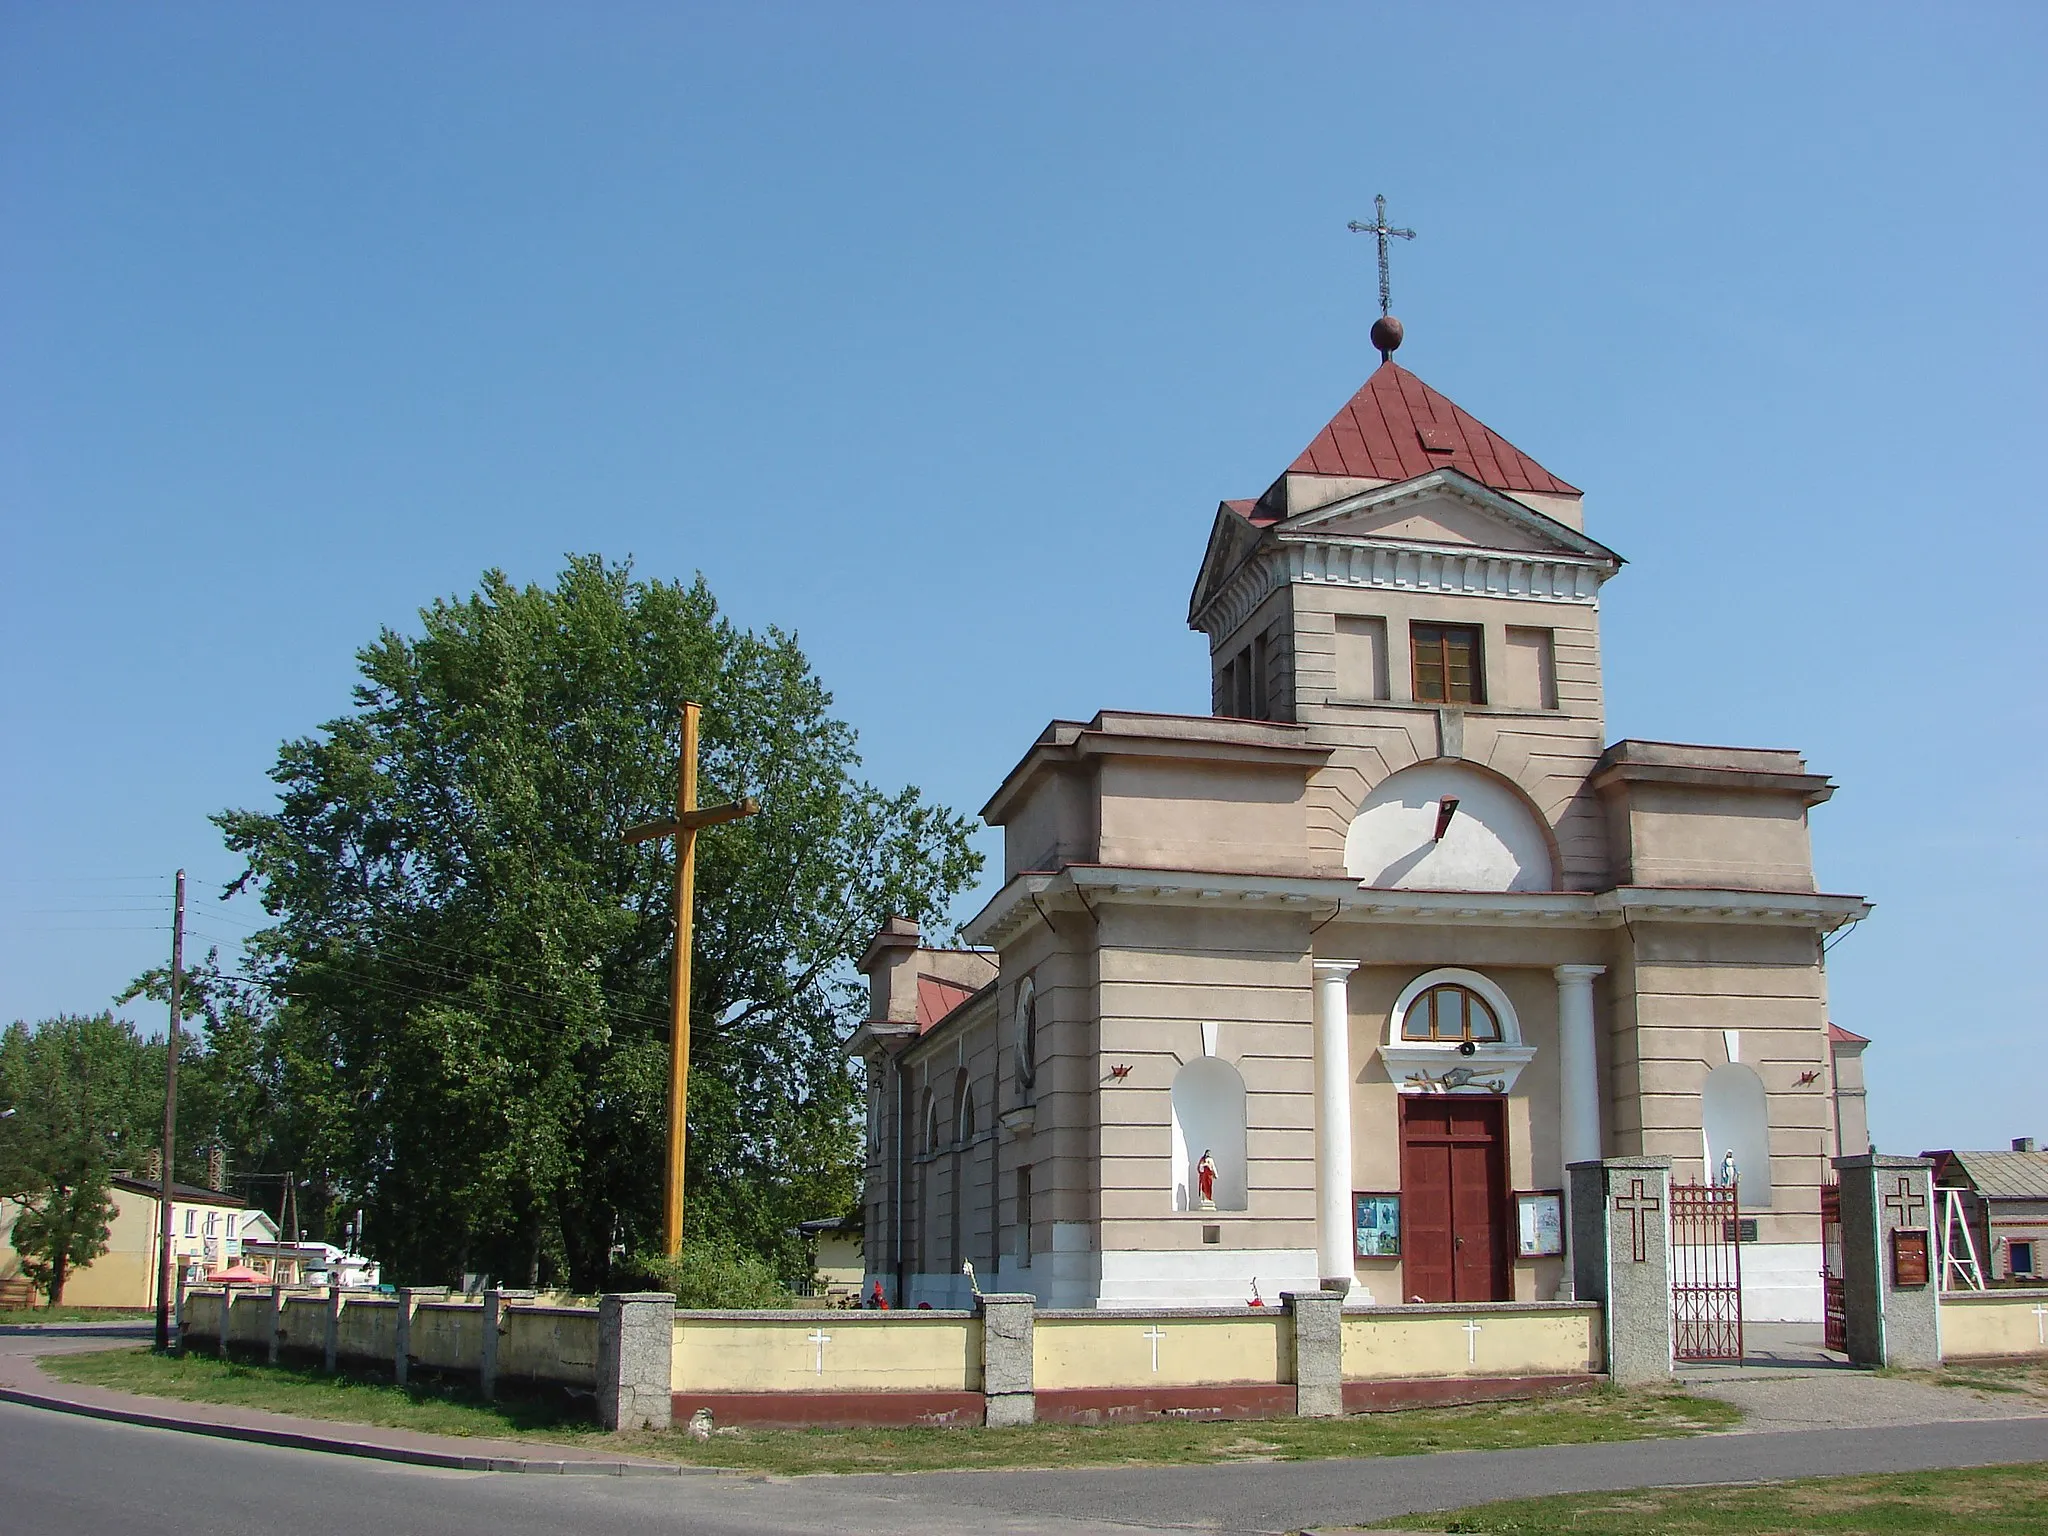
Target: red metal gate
x=1706, y=1272
x=1834, y=1313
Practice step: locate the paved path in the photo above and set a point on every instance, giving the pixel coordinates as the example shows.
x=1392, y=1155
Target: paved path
x=1789, y=1382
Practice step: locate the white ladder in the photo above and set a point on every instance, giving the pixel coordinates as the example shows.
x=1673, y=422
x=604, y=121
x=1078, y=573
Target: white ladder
x=1959, y=1272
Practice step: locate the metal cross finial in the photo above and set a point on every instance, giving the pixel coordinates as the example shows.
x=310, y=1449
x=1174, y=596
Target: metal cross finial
x=1382, y=231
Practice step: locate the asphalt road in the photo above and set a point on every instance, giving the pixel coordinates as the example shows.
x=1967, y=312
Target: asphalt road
x=61, y=1475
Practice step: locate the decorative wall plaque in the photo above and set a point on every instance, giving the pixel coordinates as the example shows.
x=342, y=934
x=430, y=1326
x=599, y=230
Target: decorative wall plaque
x=1539, y=1221
x=1909, y=1257
x=1379, y=1225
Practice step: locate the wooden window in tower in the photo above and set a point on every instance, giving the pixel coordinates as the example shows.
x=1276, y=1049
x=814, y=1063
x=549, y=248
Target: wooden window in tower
x=1447, y=664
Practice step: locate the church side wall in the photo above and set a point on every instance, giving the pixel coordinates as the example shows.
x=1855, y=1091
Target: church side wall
x=1164, y=974
x=1052, y=1129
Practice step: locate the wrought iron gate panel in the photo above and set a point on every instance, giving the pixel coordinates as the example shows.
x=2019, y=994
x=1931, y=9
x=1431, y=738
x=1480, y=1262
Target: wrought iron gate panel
x=1706, y=1272
x=1834, y=1306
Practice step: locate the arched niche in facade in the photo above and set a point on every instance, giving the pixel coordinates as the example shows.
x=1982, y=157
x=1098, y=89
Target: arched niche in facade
x=1493, y=841
x=1209, y=1116
x=1735, y=1116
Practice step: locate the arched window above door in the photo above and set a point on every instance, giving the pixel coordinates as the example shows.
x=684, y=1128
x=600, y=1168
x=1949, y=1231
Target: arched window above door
x=1454, y=1031
x=1451, y=1011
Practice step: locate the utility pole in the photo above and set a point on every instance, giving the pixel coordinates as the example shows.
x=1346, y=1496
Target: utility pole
x=165, y=1264
x=683, y=827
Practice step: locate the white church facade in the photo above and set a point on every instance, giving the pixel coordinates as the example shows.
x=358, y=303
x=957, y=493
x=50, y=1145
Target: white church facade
x=1392, y=936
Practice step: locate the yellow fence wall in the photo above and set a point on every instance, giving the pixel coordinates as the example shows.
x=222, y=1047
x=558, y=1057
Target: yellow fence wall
x=1401, y=1343
x=249, y=1318
x=368, y=1330
x=448, y=1336
x=556, y=1344
x=860, y=1352
x=1982, y=1323
x=1109, y=1349
x=202, y=1314
x=302, y=1324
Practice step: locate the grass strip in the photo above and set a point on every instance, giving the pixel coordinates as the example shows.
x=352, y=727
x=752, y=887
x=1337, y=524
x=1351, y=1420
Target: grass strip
x=17, y=1317
x=429, y=1407
x=452, y=1410
x=1968, y=1501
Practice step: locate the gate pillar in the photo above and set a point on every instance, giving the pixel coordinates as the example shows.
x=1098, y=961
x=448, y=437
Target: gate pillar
x=1891, y=1291
x=1621, y=1258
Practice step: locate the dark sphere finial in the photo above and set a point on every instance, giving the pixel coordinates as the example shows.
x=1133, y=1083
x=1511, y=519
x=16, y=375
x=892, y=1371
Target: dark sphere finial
x=1386, y=335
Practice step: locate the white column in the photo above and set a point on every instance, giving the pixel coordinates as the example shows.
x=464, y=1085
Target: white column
x=1578, y=1063
x=1333, y=1123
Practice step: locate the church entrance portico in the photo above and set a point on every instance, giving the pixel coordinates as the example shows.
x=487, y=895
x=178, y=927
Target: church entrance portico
x=1454, y=1198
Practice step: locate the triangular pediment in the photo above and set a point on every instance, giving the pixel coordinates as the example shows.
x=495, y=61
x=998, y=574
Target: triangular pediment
x=1444, y=510
x=1232, y=538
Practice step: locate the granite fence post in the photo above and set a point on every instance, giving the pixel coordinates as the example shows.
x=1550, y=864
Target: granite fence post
x=636, y=1339
x=409, y=1297
x=272, y=1318
x=1891, y=1285
x=487, y=1347
x=1009, y=1389
x=1318, y=1352
x=330, y=1353
x=1621, y=1258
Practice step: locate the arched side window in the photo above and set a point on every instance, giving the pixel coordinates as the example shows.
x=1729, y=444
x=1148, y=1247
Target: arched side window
x=963, y=1109
x=1026, y=1045
x=1449, y=1006
x=1453, y=1012
x=1209, y=1116
x=931, y=1122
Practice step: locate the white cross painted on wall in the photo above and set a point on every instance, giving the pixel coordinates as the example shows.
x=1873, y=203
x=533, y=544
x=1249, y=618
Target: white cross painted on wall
x=2040, y=1323
x=820, y=1338
x=1472, y=1332
x=1155, y=1333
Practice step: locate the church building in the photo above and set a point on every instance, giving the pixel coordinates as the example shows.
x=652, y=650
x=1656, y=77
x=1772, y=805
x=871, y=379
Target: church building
x=1329, y=986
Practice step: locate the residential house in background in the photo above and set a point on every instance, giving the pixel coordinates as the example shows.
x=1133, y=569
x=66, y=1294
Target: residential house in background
x=208, y=1229
x=2005, y=1203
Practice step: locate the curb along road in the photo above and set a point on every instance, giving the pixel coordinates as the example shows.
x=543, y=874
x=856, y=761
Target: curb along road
x=299, y=1440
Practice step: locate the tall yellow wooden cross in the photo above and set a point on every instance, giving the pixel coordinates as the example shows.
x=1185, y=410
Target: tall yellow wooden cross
x=683, y=827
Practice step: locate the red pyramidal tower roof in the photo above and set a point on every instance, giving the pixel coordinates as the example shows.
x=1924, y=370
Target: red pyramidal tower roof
x=1397, y=427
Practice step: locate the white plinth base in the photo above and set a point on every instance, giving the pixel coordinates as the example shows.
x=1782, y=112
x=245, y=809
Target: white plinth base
x=1781, y=1283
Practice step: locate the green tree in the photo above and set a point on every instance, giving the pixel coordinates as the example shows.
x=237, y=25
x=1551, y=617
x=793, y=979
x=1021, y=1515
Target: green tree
x=85, y=1095
x=465, y=988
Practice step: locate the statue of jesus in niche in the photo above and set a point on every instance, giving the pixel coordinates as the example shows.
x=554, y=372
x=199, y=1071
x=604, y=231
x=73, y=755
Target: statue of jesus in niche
x=1205, y=1180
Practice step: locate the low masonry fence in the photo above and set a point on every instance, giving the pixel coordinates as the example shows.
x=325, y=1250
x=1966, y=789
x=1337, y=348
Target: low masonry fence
x=1006, y=1362
x=2001, y=1325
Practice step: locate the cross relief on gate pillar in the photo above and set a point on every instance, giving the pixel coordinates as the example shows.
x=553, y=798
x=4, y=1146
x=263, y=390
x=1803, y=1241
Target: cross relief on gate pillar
x=1638, y=1203
x=1906, y=1204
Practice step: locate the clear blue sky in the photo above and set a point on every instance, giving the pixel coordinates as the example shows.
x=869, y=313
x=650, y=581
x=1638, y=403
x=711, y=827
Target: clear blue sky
x=935, y=333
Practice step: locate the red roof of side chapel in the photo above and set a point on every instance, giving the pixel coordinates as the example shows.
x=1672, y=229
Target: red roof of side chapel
x=1396, y=427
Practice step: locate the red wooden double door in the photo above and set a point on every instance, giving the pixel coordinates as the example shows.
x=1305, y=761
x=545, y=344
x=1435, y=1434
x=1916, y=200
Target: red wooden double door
x=1454, y=1199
